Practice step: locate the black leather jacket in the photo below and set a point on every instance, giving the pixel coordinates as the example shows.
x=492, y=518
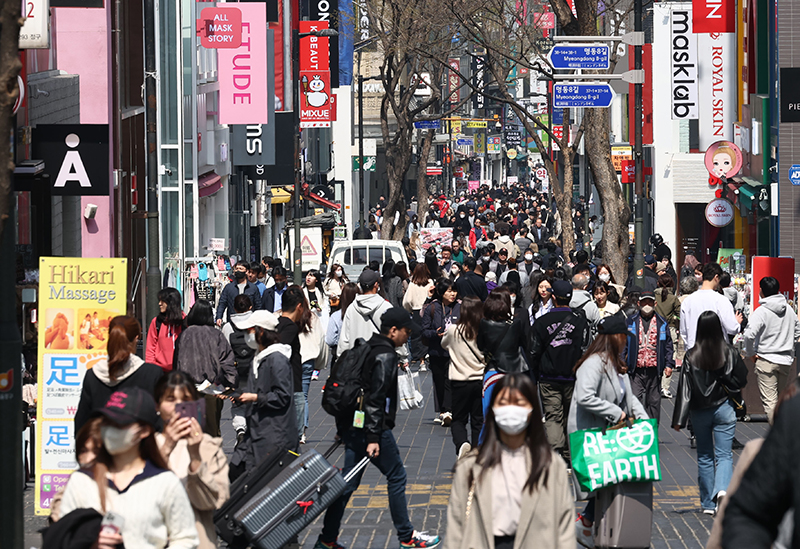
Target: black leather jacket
x=380, y=399
x=699, y=389
x=502, y=343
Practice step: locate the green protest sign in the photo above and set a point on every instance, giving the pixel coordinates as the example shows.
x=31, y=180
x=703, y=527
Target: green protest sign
x=628, y=454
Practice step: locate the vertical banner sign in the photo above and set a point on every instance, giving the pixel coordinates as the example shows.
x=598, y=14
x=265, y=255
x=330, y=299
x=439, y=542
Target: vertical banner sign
x=714, y=16
x=315, y=78
x=647, y=96
x=479, y=81
x=327, y=11
x=243, y=86
x=480, y=144
x=684, y=66
x=454, y=80
x=78, y=297
x=716, y=55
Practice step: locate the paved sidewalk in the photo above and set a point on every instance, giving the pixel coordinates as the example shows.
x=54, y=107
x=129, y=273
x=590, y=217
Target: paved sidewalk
x=429, y=455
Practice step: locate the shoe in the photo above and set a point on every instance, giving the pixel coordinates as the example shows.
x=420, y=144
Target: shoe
x=422, y=366
x=421, y=539
x=447, y=419
x=717, y=499
x=583, y=533
x=303, y=438
x=239, y=437
x=322, y=545
x=315, y=375
x=438, y=419
x=464, y=450
x=665, y=393
x=736, y=445
x=692, y=442
x=710, y=512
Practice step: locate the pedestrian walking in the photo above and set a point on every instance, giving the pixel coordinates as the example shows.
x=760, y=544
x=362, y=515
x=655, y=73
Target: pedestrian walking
x=363, y=316
x=439, y=314
x=244, y=349
x=419, y=291
x=769, y=339
x=604, y=306
x=165, y=329
x=346, y=298
x=375, y=439
x=334, y=284
x=240, y=285
x=392, y=284
x=469, y=283
x=708, y=299
x=466, y=374
x=669, y=307
x=712, y=377
x=294, y=320
x=513, y=492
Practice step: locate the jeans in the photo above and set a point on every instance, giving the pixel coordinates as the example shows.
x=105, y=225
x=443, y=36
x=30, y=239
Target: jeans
x=467, y=405
x=299, y=409
x=308, y=369
x=390, y=465
x=714, y=429
x=772, y=380
x=440, y=366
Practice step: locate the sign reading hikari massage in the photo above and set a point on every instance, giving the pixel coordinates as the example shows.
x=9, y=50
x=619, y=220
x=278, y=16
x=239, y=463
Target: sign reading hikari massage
x=78, y=298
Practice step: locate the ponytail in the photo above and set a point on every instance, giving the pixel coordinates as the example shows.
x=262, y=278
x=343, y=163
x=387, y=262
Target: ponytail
x=122, y=334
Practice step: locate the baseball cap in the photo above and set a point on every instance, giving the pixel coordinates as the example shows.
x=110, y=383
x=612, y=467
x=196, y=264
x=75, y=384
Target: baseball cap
x=399, y=318
x=562, y=288
x=262, y=319
x=368, y=277
x=649, y=259
x=129, y=406
x=647, y=294
x=503, y=251
x=614, y=324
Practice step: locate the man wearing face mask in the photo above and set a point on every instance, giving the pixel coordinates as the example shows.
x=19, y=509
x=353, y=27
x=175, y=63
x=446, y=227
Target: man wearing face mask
x=650, y=353
x=240, y=285
x=273, y=296
x=462, y=225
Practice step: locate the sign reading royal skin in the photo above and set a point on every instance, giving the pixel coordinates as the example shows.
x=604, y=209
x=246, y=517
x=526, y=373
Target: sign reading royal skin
x=78, y=298
x=684, y=66
x=716, y=54
x=75, y=156
x=714, y=16
x=719, y=212
x=243, y=86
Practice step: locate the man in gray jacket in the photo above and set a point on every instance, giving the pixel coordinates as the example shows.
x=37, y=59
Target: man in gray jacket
x=582, y=299
x=363, y=317
x=769, y=339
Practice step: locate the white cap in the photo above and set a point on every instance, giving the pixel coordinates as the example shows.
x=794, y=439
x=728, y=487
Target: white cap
x=262, y=319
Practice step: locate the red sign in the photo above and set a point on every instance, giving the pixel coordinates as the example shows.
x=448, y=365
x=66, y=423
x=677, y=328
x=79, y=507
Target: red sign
x=314, y=50
x=713, y=16
x=545, y=20
x=628, y=171
x=315, y=99
x=781, y=268
x=220, y=27
x=454, y=80
x=647, y=96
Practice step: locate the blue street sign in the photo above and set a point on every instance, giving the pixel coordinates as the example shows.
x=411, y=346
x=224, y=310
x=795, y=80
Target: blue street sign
x=427, y=125
x=575, y=94
x=572, y=56
x=558, y=117
x=794, y=174
x=464, y=142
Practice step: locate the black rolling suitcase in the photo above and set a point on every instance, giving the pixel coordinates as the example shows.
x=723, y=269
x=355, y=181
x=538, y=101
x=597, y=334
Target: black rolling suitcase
x=276, y=501
x=624, y=516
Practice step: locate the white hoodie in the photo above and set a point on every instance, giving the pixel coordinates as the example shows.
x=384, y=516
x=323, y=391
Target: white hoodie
x=772, y=330
x=362, y=319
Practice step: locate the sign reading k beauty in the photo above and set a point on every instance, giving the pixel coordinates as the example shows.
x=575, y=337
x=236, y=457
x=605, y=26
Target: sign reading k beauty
x=714, y=16
x=316, y=109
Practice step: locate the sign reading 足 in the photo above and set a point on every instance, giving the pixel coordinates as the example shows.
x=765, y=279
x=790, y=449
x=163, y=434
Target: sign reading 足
x=78, y=298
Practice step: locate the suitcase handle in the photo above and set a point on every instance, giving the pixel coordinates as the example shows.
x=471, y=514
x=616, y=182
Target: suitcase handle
x=357, y=469
x=329, y=452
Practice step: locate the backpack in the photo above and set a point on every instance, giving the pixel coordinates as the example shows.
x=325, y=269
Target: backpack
x=242, y=352
x=344, y=389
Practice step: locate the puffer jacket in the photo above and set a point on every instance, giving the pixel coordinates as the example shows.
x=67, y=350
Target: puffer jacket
x=502, y=345
x=699, y=389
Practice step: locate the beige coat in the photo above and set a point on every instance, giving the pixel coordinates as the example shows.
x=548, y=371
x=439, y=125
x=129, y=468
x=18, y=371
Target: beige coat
x=208, y=488
x=546, y=518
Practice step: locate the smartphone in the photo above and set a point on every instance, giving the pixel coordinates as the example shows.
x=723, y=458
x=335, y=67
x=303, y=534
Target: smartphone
x=232, y=392
x=112, y=523
x=192, y=408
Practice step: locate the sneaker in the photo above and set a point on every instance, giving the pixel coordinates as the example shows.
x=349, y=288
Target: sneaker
x=438, y=419
x=665, y=393
x=422, y=367
x=710, y=512
x=464, y=450
x=239, y=437
x=447, y=419
x=718, y=499
x=736, y=445
x=692, y=442
x=322, y=545
x=421, y=539
x=583, y=532
x=315, y=375
x=303, y=438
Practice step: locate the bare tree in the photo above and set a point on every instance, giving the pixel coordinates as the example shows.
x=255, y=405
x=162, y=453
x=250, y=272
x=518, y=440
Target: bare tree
x=10, y=65
x=424, y=146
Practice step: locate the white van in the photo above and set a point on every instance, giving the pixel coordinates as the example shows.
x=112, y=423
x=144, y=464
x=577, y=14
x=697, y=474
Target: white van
x=354, y=255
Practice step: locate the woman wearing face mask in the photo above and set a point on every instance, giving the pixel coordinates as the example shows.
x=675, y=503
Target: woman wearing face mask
x=334, y=284
x=455, y=271
x=165, y=329
x=513, y=492
x=130, y=477
x=604, y=273
x=606, y=307
x=602, y=397
x=121, y=370
x=348, y=295
x=440, y=313
x=271, y=415
x=196, y=457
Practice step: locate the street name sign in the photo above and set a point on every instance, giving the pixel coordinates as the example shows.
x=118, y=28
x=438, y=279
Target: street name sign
x=574, y=94
x=573, y=56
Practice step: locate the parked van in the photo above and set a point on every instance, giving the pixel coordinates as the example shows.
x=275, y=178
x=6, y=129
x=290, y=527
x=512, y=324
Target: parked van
x=354, y=255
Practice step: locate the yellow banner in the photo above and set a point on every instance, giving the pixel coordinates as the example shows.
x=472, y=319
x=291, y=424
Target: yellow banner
x=455, y=127
x=78, y=297
x=476, y=124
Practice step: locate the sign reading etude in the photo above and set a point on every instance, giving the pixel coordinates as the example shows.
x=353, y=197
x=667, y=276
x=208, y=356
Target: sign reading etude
x=75, y=157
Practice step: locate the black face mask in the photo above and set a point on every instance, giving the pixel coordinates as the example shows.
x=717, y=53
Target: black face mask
x=280, y=285
x=239, y=275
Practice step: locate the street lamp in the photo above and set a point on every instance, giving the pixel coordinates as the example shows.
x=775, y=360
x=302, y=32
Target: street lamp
x=322, y=33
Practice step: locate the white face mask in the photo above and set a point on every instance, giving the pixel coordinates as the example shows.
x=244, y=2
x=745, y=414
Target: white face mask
x=462, y=216
x=250, y=340
x=647, y=310
x=454, y=270
x=512, y=420
x=338, y=274
x=119, y=440
x=605, y=277
x=528, y=257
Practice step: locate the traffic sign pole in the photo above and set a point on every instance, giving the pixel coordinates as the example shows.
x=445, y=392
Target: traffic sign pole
x=638, y=258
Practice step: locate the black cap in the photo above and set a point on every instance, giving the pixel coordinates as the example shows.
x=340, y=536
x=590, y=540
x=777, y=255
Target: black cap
x=368, y=277
x=562, y=288
x=398, y=317
x=129, y=406
x=503, y=251
x=649, y=259
x=647, y=294
x=614, y=324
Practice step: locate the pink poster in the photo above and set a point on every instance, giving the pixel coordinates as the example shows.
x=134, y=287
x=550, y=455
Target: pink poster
x=243, y=70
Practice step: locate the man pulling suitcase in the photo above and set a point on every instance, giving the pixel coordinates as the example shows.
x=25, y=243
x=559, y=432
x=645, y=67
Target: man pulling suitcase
x=368, y=432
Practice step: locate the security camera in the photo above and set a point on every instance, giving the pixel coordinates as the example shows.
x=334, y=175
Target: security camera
x=90, y=211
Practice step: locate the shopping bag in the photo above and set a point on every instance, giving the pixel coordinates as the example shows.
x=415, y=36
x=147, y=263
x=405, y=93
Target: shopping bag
x=407, y=389
x=604, y=457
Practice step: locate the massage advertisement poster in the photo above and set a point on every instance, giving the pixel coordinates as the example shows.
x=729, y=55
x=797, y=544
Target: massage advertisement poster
x=78, y=297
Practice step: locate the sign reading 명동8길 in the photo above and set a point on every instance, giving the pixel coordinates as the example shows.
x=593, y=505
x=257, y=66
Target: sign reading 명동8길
x=78, y=297
x=628, y=454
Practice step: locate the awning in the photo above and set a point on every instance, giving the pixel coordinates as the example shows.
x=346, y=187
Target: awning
x=280, y=196
x=322, y=202
x=208, y=184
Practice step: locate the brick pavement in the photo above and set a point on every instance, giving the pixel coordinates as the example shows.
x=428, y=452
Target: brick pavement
x=429, y=455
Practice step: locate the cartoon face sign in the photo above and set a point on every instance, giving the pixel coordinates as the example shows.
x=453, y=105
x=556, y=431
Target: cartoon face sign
x=723, y=161
x=723, y=158
x=316, y=84
x=315, y=93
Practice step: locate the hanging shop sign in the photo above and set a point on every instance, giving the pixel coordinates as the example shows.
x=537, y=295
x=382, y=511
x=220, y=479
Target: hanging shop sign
x=316, y=110
x=220, y=28
x=78, y=297
x=684, y=66
x=723, y=159
x=790, y=94
x=717, y=88
x=35, y=31
x=454, y=80
x=243, y=71
x=719, y=212
x=75, y=157
x=714, y=16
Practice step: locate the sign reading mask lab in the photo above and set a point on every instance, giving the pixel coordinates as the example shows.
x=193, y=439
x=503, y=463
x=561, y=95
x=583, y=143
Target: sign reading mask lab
x=75, y=157
x=719, y=212
x=684, y=66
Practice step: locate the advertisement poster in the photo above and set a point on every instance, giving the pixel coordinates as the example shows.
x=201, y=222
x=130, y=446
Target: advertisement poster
x=728, y=257
x=436, y=238
x=781, y=268
x=78, y=297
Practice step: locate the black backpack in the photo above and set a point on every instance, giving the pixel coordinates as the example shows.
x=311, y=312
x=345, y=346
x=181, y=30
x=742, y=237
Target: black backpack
x=243, y=353
x=344, y=389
